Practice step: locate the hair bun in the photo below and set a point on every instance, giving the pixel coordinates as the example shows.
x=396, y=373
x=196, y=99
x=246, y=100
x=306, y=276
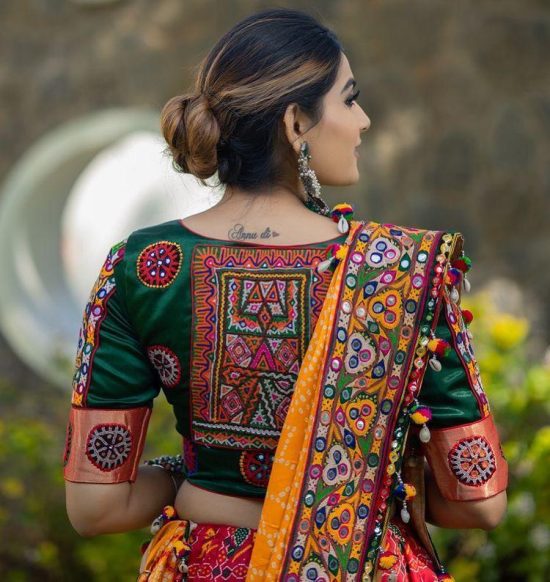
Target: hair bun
x=191, y=131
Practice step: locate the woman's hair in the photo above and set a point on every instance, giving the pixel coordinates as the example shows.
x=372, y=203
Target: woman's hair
x=233, y=120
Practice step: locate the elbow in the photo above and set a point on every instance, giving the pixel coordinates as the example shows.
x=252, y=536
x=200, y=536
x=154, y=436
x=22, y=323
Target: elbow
x=491, y=512
x=84, y=525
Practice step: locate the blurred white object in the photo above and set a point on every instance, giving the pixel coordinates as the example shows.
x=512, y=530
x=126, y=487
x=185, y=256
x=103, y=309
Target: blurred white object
x=77, y=191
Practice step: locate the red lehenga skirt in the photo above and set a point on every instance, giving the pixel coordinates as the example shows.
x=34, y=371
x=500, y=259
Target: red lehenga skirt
x=183, y=550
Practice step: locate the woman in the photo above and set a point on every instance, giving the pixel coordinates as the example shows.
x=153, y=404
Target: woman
x=312, y=366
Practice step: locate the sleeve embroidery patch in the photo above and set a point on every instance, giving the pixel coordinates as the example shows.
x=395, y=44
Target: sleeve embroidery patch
x=109, y=446
x=472, y=460
x=464, y=348
x=94, y=313
x=159, y=263
x=467, y=461
x=166, y=363
x=104, y=445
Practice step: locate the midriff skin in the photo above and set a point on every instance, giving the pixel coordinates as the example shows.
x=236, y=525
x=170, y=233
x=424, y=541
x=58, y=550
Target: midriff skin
x=202, y=506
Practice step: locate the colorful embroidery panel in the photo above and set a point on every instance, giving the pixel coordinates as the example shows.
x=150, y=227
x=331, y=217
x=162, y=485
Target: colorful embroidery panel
x=254, y=311
x=386, y=281
x=94, y=313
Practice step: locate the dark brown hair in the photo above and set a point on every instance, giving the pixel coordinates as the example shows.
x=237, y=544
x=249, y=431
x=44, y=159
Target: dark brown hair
x=231, y=122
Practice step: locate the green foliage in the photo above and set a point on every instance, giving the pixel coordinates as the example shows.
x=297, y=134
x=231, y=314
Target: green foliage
x=519, y=394
x=40, y=544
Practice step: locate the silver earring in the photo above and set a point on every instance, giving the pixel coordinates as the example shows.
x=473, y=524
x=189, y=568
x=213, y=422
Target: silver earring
x=311, y=184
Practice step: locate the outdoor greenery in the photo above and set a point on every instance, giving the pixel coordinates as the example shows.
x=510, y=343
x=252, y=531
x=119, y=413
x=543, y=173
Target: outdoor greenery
x=39, y=543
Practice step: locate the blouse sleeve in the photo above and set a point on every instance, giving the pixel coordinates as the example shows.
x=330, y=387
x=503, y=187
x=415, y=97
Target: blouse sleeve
x=463, y=449
x=114, y=385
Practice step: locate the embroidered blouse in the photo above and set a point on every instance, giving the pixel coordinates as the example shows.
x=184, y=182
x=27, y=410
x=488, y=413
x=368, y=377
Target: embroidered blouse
x=221, y=328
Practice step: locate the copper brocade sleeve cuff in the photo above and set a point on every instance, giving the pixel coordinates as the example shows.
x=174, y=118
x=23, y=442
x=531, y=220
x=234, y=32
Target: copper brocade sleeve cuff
x=467, y=461
x=104, y=445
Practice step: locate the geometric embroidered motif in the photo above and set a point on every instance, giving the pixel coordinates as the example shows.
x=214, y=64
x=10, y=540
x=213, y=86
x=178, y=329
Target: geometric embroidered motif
x=472, y=461
x=159, y=263
x=108, y=446
x=94, y=313
x=256, y=467
x=253, y=314
x=166, y=363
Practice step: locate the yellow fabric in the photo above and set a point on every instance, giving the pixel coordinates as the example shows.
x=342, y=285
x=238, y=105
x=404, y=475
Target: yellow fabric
x=283, y=490
x=160, y=561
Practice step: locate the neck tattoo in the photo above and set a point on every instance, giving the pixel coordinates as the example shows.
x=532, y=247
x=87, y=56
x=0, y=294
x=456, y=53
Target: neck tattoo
x=238, y=232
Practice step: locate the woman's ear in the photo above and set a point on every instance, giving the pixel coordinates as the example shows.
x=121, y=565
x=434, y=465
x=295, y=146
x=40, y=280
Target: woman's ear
x=294, y=123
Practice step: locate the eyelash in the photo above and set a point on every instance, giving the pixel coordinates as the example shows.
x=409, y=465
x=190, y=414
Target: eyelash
x=352, y=98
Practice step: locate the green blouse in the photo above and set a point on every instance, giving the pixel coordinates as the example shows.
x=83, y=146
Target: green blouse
x=221, y=328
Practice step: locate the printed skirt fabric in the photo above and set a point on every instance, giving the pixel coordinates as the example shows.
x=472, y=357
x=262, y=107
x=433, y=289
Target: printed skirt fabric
x=402, y=558
x=184, y=550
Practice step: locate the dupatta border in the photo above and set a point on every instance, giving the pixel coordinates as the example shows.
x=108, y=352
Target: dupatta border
x=371, y=486
x=386, y=294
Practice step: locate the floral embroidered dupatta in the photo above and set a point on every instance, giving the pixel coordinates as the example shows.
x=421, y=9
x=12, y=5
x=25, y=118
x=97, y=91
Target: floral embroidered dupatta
x=327, y=501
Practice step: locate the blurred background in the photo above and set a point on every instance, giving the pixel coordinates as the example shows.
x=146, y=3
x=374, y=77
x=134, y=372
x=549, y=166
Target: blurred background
x=459, y=98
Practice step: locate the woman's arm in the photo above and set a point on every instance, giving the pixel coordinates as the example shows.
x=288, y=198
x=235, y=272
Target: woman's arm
x=484, y=513
x=102, y=508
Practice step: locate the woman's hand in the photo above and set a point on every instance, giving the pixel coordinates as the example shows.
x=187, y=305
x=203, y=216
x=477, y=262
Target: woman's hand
x=98, y=508
x=485, y=513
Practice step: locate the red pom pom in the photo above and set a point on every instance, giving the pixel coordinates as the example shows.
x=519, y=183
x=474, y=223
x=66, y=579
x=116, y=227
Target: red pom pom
x=463, y=263
x=333, y=249
x=467, y=315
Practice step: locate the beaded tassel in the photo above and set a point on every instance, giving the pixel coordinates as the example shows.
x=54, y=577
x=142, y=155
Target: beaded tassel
x=438, y=347
x=404, y=492
x=181, y=553
x=421, y=415
x=168, y=513
x=336, y=253
x=468, y=317
x=464, y=264
x=342, y=214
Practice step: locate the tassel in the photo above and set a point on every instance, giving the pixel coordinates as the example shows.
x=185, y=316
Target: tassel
x=467, y=315
x=463, y=263
x=181, y=552
x=420, y=414
x=467, y=285
x=387, y=560
x=453, y=276
x=168, y=513
x=333, y=249
x=439, y=347
x=342, y=209
x=404, y=491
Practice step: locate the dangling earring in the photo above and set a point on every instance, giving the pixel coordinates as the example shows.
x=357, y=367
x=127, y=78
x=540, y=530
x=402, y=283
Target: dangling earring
x=311, y=184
